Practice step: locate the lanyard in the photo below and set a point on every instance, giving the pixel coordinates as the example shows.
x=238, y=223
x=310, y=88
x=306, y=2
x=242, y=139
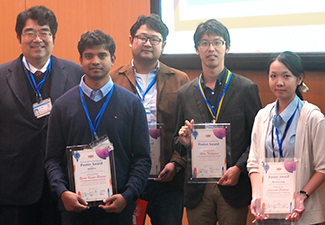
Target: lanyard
x=94, y=126
x=214, y=114
x=37, y=87
x=285, y=132
x=148, y=88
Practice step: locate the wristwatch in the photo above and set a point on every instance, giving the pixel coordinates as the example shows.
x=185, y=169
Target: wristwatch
x=178, y=166
x=305, y=193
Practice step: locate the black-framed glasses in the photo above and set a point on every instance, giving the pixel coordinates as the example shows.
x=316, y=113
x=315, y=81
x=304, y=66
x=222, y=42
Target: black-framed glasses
x=31, y=34
x=143, y=39
x=215, y=43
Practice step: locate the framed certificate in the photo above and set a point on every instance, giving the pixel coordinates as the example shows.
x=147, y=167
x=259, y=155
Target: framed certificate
x=278, y=187
x=209, y=152
x=155, y=131
x=91, y=173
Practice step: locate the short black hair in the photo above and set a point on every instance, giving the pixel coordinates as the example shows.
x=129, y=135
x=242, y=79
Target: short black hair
x=98, y=37
x=211, y=26
x=293, y=62
x=41, y=14
x=153, y=22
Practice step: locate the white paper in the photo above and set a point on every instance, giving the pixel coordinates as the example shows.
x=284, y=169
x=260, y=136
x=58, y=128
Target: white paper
x=92, y=174
x=208, y=153
x=278, y=184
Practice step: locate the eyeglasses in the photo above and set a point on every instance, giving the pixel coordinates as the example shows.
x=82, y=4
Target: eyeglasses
x=215, y=43
x=31, y=34
x=143, y=39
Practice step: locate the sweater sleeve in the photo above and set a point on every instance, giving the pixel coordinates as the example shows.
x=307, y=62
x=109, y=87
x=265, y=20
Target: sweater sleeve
x=317, y=127
x=140, y=162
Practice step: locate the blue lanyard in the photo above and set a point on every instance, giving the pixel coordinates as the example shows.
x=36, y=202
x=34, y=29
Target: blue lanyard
x=94, y=126
x=215, y=114
x=148, y=88
x=37, y=87
x=285, y=132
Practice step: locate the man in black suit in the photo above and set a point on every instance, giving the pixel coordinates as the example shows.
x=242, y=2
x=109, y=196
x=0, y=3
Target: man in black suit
x=217, y=95
x=29, y=86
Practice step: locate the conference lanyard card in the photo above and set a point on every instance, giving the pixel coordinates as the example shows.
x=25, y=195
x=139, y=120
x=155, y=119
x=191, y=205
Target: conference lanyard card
x=155, y=132
x=92, y=171
x=42, y=108
x=278, y=184
x=208, y=153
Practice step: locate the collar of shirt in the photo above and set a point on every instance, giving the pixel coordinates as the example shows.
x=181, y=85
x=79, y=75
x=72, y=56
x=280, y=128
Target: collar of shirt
x=285, y=116
x=32, y=69
x=96, y=95
x=219, y=80
x=151, y=74
x=211, y=95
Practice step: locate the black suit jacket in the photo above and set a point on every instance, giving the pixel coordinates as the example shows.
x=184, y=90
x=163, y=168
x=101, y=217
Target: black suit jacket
x=22, y=135
x=240, y=105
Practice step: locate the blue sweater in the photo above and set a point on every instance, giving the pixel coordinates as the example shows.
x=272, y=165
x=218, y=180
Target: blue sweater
x=124, y=122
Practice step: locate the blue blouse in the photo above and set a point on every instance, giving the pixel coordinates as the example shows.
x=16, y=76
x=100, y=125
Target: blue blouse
x=281, y=123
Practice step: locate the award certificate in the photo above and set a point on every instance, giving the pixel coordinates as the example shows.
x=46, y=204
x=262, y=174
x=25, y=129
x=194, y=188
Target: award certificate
x=90, y=173
x=208, y=152
x=278, y=187
x=155, y=149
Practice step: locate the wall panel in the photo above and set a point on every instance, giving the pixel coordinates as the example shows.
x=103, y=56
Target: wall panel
x=77, y=17
x=74, y=18
x=9, y=45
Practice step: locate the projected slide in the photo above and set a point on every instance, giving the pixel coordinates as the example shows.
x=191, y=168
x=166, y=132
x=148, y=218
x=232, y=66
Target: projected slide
x=255, y=26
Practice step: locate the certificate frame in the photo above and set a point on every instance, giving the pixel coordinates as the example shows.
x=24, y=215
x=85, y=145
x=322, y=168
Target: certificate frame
x=210, y=148
x=156, y=146
x=91, y=185
x=278, y=187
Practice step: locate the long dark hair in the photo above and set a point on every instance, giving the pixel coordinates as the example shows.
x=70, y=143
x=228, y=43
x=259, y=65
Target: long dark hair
x=293, y=62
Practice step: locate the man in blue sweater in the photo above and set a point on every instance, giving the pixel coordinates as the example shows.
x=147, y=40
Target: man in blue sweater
x=95, y=108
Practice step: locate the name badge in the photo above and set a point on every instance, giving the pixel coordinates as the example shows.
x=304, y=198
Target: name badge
x=43, y=108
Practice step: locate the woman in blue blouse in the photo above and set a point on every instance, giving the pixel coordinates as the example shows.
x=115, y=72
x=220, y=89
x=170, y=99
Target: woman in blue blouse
x=290, y=128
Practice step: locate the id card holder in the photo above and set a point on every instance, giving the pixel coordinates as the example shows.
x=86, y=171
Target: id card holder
x=102, y=143
x=42, y=108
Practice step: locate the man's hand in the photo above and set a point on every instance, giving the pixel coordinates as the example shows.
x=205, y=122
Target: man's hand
x=185, y=133
x=114, y=204
x=73, y=202
x=167, y=174
x=230, y=178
